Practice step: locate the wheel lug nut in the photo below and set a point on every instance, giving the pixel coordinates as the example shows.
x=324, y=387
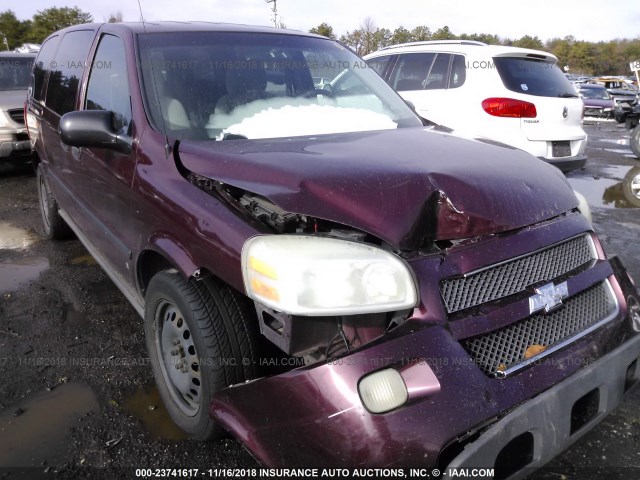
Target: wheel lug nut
x=178, y=365
x=175, y=352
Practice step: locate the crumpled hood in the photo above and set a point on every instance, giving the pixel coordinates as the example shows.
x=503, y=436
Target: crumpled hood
x=404, y=186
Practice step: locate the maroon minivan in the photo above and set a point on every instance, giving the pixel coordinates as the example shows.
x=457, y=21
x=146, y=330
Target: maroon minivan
x=318, y=272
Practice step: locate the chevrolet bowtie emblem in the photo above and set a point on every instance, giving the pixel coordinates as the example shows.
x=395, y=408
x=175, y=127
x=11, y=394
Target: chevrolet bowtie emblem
x=548, y=296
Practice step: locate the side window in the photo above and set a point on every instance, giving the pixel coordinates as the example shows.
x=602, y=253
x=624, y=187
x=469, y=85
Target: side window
x=66, y=70
x=42, y=65
x=379, y=63
x=458, y=72
x=108, y=87
x=411, y=71
x=439, y=73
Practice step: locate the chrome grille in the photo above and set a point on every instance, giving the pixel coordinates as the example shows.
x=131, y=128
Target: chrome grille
x=17, y=115
x=502, y=350
x=515, y=275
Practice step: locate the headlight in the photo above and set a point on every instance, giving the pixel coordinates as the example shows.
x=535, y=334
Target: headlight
x=317, y=276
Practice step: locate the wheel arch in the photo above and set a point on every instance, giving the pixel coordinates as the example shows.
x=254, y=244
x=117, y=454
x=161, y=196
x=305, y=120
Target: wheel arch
x=162, y=253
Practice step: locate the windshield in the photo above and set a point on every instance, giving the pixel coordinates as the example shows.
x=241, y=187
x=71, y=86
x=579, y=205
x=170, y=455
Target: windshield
x=595, y=93
x=226, y=85
x=15, y=72
x=533, y=77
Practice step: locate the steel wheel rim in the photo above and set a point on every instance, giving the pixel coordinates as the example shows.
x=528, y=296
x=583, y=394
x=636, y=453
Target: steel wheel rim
x=178, y=358
x=635, y=186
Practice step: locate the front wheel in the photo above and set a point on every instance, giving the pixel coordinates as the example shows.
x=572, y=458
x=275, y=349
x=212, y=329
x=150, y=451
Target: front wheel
x=54, y=225
x=201, y=338
x=634, y=141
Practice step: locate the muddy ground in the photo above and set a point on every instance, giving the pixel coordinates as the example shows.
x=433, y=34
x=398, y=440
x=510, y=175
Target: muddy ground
x=76, y=390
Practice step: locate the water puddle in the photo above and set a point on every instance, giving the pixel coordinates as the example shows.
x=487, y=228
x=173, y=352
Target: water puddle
x=17, y=272
x=617, y=141
x=617, y=150
x=83, y=260
x=147, y=407
x=15, y=238
x=619, y=189
x=36, y=431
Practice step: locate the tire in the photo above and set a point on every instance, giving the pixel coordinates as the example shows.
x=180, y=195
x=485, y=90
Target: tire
x=631, y=187
x=54, y=225
x=201, y=337
x=619, y=117
x=634, y=141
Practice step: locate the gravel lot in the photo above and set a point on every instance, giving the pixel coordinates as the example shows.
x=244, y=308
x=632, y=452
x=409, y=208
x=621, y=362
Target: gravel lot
x=76, y=390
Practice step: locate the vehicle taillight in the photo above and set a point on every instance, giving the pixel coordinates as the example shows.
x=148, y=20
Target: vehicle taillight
x=24, y=113
x=509, y=107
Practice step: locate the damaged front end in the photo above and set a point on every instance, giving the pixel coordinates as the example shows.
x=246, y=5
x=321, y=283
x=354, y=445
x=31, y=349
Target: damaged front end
x=445, y=389
x=403, y=313
x=336, y=311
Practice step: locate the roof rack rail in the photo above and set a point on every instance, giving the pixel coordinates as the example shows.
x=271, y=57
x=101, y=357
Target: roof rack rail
x=437, y=42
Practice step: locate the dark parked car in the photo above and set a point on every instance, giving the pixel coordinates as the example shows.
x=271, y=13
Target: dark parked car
x=598, y=102
x=319, y=273
x=15, y=69
x=624, y=95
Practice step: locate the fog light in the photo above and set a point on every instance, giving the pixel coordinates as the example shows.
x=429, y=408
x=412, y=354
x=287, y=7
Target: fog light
x=634, y=313
x=383, y=391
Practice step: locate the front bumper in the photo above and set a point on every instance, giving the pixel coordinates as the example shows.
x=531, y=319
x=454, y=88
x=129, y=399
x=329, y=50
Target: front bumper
x=544, y=426
x=313, y=417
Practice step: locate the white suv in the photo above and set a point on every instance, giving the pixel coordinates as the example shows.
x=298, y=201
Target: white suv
x=513, y=95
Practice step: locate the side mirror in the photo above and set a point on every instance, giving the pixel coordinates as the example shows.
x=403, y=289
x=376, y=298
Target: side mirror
x=93, y=129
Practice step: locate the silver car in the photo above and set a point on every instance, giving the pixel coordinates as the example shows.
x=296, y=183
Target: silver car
x=15, y=70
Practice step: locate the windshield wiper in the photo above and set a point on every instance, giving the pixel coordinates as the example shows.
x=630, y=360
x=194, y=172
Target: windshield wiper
x=568, y=95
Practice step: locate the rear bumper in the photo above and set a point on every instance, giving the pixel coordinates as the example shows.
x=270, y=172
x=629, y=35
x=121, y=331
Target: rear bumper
x=566, y=164
x=15, y=148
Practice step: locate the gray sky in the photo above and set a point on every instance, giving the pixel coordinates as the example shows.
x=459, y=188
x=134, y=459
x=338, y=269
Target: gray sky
x=592, y=20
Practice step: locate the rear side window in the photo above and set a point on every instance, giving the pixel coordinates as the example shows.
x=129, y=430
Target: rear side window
x=108, y=88
x=411, y=71
x=438, y=75
x=14, y=72
x=458, y=72
x=533, y=77
x=66, y=70
x=42, y=65
x=428, y=71
x=379, y=64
